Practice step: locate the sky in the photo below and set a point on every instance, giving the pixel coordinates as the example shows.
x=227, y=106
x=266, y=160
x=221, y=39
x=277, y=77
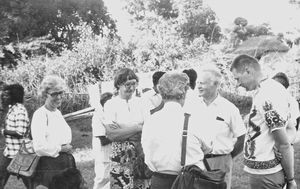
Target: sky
x=278, y=13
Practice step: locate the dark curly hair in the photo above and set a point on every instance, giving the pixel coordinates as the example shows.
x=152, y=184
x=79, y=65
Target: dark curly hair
x=105, y=97
x=282, y=78
x=192, y=74
x=16, y=93
x=124, y=75
x=156, y=76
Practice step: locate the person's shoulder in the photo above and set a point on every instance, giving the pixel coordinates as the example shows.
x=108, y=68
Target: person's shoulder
x=113, y=101
x=40, y=111
x=225, y=102
x=273, y=87
x=20, y=107
x=148, y=93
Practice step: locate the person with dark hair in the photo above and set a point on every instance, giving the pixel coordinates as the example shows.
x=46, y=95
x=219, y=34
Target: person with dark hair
x=155, y=78
x=266, y=128
x=293, y=125
x=152, y=98
x=69, y=178
x=124, y=116
x=16, y=128
x=161, y=136
x=282, y=78
x=192, y=74
x=101, y=146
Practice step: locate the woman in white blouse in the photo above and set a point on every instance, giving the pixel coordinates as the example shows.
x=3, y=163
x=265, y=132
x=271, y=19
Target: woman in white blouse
x=124, y=118
x=51, y=135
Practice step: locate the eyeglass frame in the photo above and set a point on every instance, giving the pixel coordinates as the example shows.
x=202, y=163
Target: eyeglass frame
x=130, y=84
x=55, y=94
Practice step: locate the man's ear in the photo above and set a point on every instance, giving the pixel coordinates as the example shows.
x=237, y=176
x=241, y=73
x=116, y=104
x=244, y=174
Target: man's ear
x=248, y=70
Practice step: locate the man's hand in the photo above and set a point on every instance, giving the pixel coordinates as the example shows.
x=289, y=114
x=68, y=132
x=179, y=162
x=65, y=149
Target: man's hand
x=291, y=184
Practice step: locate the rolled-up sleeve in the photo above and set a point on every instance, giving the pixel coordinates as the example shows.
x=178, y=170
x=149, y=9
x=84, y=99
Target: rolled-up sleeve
x=236, y=123
x=22, y=122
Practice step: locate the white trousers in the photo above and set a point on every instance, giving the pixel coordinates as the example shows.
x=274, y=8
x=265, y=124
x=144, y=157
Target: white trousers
x=102, y=166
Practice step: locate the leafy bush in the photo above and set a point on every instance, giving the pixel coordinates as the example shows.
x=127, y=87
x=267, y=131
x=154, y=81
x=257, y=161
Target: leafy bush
x=243, y=103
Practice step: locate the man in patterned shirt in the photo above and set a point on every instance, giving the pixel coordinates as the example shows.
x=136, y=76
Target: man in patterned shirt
x=268, y=120
x=16, y=126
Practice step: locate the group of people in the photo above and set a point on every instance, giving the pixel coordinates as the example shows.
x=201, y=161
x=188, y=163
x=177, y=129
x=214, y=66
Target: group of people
x=137, y=141
x=151, y=126
x=48, y=134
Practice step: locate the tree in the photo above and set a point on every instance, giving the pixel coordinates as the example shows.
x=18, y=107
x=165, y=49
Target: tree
x=191, y=18
x=242, y=31
x=57, y=19
x=200, y=21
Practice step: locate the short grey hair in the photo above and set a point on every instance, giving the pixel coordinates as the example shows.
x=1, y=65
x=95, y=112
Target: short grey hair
x=173, y=86
x=51, y=82
x=214, y=72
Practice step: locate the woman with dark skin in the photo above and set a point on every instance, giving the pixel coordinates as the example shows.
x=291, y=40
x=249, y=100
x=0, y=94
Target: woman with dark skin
x=16, y=127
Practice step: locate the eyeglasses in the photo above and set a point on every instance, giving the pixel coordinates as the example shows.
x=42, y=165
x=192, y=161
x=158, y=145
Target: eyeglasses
x=55, y=94
x=130, y=84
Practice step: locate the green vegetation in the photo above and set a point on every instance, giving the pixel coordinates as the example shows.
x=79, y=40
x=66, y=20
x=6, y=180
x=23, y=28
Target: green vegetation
x=78, y=42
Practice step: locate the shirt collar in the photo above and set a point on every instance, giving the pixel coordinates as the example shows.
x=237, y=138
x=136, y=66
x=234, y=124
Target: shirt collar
x=172, y=105
x=214, y=102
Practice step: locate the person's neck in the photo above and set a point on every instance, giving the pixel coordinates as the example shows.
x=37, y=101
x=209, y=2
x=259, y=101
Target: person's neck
x=260, y=79
x=126, y=98
x=50, y=108
x=209, y=99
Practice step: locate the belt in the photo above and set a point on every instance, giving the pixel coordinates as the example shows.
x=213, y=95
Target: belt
x=213, y=155
x=164, y=175
x=262, y=164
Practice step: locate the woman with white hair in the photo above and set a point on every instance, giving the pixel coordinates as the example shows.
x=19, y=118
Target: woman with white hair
x=161, y=135
x=51, y=135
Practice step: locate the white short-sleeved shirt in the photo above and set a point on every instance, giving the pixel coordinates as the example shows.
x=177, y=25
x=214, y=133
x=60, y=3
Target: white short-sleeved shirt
x=49, y=131
x=269, y=112
x=98, y=129
x=151, y=99
x=125, y=113
x=162, y=137
x=228, y=125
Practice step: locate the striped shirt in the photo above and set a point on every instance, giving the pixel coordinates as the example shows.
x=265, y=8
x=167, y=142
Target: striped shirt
x=16, y=120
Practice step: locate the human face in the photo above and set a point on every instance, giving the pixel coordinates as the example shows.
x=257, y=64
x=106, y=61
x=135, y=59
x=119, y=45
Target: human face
x=5, y=98
x=127, y=89
x=207, y=86
x=54, y=97
x=245, y=79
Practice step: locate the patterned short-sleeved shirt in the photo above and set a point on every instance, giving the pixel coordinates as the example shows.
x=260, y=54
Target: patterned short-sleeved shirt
x=269, y=112
x=16, y=120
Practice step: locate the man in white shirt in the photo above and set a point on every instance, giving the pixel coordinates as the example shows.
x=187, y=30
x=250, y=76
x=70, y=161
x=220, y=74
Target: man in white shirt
x=268, y=120
x=228, y=129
